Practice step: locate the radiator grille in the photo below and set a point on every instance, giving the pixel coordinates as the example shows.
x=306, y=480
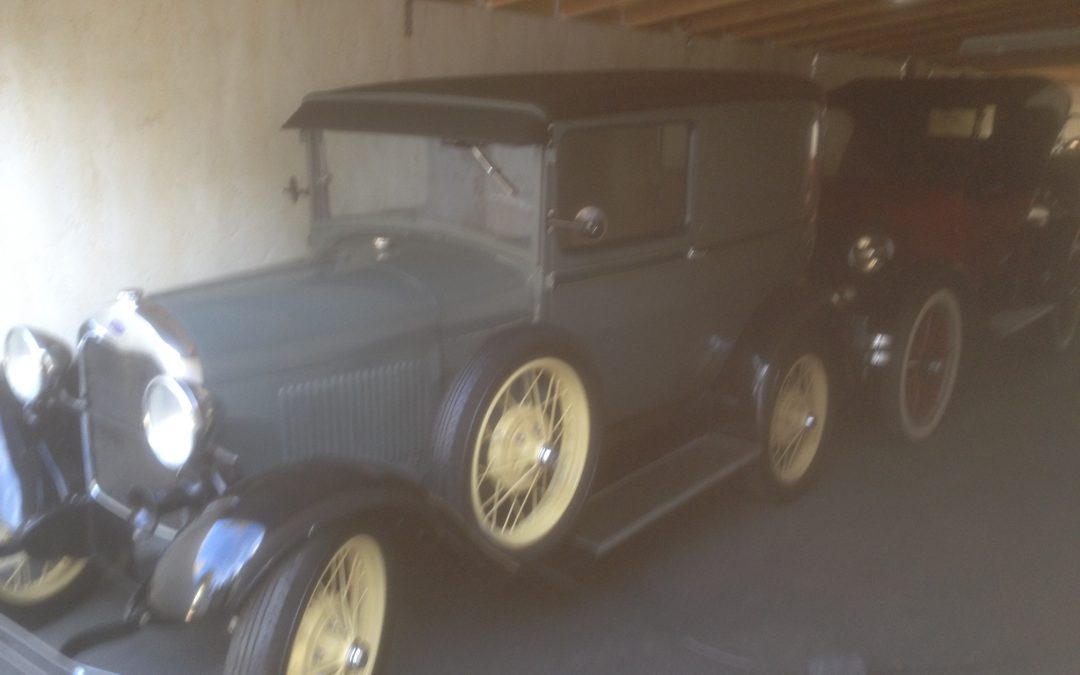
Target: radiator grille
x=114, y=382
x=380, y=414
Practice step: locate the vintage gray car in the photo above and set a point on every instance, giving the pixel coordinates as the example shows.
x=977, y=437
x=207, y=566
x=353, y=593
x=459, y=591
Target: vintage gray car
x=514, y=280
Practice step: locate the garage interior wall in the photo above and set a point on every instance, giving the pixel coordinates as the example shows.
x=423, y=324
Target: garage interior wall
x=140, y=141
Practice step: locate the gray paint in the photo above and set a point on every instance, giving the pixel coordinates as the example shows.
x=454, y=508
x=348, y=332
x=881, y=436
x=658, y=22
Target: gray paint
x=348, y=354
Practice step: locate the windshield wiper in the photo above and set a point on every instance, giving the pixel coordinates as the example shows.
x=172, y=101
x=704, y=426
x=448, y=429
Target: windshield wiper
x=493, y=171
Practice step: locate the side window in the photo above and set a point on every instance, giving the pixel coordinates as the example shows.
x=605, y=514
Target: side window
x=637, y=174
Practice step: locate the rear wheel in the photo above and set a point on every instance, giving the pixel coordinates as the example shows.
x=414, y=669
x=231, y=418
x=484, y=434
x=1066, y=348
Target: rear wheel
x=795, y=428
x=323, y=611
x=1064, y=322
x=920, y=378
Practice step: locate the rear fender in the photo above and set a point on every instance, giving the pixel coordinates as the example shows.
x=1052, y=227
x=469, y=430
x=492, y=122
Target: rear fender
x=216, y=561
x=794, y=314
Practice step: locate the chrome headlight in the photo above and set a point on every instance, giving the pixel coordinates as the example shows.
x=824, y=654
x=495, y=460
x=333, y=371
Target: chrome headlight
x=33, y=363
x=176, y=417
x=870, y=252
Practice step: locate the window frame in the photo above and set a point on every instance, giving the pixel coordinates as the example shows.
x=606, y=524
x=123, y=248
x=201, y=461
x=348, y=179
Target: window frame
x=678, y=233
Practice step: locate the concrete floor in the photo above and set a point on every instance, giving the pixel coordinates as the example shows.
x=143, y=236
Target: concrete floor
x=958, y=556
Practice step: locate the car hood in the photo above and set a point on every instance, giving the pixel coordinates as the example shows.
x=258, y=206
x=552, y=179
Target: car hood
x=345, y=299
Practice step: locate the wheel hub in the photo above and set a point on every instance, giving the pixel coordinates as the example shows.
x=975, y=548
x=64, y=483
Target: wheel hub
x=518, y=443
x=356, y=657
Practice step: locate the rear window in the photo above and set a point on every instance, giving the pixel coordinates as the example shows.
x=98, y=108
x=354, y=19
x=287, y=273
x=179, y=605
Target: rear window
x=977, y=123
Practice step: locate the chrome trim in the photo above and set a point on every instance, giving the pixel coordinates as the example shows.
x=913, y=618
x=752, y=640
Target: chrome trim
x=136, y=324
x=163, y=532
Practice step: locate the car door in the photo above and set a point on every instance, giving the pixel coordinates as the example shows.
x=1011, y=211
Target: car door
x=628, y=295
x=753, y=213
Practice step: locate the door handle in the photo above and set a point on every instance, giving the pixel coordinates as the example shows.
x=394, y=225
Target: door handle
x=695, y=253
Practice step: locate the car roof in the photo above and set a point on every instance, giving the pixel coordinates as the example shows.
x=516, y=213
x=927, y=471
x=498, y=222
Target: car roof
x=520, y=108
x=1014, y=91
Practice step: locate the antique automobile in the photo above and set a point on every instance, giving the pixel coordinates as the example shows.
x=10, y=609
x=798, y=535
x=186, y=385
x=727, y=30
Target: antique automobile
x=512, y=279
x=934, y=219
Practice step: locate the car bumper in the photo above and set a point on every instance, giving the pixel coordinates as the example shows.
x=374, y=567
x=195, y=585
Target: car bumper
x=23, y=652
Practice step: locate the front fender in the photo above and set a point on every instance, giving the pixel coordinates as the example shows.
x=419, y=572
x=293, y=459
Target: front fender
x=216, y=561
x=31, y=479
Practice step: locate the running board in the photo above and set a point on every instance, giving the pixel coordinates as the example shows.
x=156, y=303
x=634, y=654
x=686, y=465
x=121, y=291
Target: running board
x=1012, y=321
x=23, y=652
x=620, y=510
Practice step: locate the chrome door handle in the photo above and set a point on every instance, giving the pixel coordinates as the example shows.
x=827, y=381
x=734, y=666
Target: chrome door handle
x=694, y=253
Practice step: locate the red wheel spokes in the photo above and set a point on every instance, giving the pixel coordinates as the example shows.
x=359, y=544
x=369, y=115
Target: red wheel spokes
x=926, y=365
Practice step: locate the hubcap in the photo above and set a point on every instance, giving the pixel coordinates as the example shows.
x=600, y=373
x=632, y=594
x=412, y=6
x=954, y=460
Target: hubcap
x=341, y=627
x=798, y=419
x=531, y=452
x=26, y=581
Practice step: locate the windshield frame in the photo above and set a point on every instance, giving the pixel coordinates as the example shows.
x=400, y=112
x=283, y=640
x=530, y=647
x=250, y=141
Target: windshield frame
x=325, y=226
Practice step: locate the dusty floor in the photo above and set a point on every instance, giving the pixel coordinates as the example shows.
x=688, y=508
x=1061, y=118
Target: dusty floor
x=959, y=556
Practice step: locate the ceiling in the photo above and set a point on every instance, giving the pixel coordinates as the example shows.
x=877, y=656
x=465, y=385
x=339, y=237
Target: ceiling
x=984, y=34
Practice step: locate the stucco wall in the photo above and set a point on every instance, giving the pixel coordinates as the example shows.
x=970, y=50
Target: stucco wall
x=140, y=142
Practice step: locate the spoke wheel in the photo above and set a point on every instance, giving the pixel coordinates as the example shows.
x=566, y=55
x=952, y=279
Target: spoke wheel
x=341, y=627
x=1065, y=321
x=26, y=581
x=798, y=419
x=531, y=453
x=919, y=382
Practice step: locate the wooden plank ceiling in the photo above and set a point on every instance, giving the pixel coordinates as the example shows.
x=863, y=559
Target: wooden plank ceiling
x=930, y=30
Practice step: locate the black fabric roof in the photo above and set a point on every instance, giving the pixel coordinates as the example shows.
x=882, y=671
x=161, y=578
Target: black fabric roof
x=518, y=108
x=1009, y=91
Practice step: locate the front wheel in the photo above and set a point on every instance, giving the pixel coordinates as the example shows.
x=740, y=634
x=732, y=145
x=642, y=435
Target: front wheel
x=323, y=611
x=518, y=436
x=918, y=381
x=795, y=427
x=35, y=589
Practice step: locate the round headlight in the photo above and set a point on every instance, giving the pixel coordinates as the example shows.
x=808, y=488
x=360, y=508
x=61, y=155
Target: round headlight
x=27, y=364
x=870, y=252
x=175, y=418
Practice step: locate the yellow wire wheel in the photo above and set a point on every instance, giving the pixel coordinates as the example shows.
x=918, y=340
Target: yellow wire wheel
x=26, y=581
x=341, y=627
x=798, y=420
x=530, y=454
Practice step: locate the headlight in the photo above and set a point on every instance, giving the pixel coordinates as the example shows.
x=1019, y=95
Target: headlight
x=33, y=363
x=870, y=252
x=176, y=417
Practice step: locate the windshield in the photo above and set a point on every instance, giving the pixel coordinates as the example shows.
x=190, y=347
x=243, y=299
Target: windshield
x=481, y=191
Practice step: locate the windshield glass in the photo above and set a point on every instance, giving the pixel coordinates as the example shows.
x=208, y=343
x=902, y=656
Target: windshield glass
x=488, y=191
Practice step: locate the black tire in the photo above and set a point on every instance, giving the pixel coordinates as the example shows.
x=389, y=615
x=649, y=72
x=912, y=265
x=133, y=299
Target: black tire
x=265, y=635
x=34, y=606
x=767, y=477
x=929, y=309
x=464, y=413
x=1061, y=328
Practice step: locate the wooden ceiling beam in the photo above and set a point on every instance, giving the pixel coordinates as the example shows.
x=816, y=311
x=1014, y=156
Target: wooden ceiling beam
x=900, y=16
x=651, y=12
x=987, y=21
x=730, y=21
x=1026, y=60
x=947, y=38
x=575, y=8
